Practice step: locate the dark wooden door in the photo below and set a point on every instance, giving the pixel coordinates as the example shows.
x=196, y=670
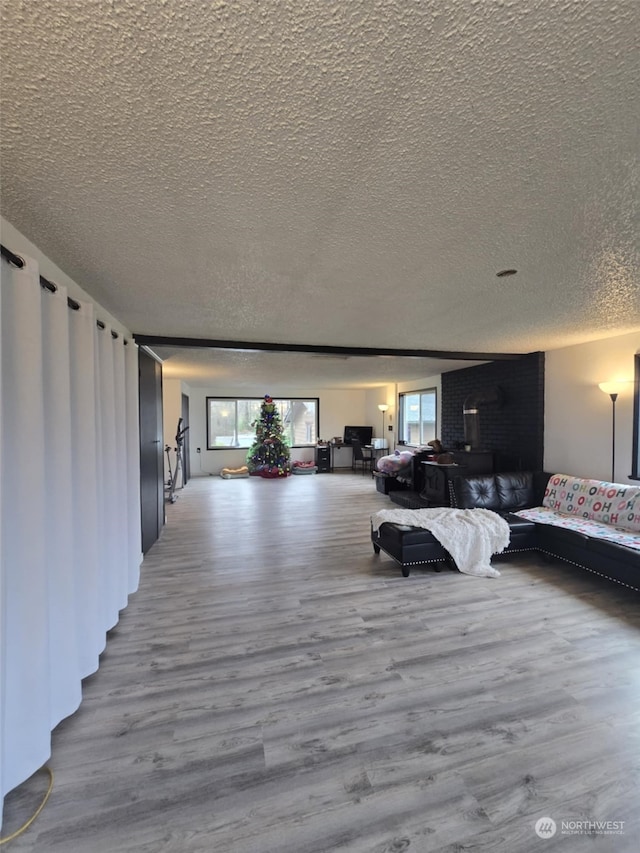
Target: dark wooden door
x=151, y=449
x=186, y=456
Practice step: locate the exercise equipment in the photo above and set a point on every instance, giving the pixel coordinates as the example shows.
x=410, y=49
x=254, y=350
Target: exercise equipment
x=171, y=496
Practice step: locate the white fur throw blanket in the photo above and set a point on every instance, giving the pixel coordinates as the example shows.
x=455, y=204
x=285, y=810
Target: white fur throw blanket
x=471, y=536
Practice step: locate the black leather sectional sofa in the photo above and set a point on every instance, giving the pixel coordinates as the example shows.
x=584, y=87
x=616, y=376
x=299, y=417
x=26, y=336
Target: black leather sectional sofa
x=506, y=493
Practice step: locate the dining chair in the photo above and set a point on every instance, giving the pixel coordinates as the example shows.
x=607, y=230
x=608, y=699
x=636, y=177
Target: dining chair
x=365, y=459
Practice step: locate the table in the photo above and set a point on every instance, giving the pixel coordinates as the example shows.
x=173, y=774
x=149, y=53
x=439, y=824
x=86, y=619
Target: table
x=375, y=452
x=437, y=478
x=370, y=448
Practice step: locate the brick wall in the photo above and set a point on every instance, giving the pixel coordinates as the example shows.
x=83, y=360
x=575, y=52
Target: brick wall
x=514, y=431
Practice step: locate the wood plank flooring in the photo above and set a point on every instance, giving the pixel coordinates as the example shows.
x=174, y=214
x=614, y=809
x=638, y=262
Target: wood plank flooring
x=275, y=687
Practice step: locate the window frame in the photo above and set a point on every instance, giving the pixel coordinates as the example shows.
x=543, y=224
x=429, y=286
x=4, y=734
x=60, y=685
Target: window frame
x=402, y=428
x=235, y=400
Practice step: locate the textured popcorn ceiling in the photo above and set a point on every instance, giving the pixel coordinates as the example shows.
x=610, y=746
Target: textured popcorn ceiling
x=283, y=371
x=342, y=172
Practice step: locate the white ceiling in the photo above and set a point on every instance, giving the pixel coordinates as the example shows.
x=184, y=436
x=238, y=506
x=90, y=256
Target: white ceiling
x=332, y=172
x=284, y=371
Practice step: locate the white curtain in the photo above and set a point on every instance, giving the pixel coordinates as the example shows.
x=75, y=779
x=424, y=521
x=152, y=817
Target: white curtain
x=84, y=473
x=70, y=548
x=25, y=688
x=64, y=670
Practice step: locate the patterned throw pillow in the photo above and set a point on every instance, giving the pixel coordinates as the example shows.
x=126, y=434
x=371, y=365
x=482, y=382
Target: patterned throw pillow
x=610, y=503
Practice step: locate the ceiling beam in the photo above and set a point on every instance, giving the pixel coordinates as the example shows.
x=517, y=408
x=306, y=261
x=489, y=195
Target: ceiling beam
x=207, y=343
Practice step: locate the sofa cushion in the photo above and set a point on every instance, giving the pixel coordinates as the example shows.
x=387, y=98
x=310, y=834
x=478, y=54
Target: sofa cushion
x=522, y=533
x=478, y=492
x=630, y=515
x=587, y=527
x=515, y=490
x=615, y=551
x=596, y=500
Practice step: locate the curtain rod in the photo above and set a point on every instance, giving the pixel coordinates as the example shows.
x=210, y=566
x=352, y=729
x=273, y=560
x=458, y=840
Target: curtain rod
x=16, y=261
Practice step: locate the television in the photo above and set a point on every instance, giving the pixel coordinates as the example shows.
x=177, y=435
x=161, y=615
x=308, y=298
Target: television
x=363, y=434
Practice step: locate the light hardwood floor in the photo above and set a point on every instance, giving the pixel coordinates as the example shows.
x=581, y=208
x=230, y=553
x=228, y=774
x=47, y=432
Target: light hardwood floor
x=275, y=687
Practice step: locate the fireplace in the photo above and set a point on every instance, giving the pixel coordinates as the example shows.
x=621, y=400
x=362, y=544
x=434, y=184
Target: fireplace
x=471, y=413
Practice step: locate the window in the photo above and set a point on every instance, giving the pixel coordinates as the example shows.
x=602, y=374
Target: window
x=417, y=421
x=230, y=421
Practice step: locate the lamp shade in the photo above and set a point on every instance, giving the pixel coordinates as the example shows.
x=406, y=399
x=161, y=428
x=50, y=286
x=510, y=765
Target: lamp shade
x=383, y=407
x=611, y=387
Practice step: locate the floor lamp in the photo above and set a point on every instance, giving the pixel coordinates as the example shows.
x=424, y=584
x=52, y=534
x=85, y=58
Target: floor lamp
x=612, y=389
x=383, y=408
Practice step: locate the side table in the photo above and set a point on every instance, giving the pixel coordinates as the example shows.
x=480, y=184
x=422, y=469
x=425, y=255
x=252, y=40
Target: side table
x=437, y=479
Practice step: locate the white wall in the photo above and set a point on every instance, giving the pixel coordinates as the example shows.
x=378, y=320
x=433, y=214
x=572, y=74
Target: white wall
x=337, y=409
x=578, y=415
x=171, y=412
x=375, y=396
x=389, y=394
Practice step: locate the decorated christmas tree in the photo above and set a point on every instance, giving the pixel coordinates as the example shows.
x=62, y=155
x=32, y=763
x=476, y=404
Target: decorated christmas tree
x=269, y=455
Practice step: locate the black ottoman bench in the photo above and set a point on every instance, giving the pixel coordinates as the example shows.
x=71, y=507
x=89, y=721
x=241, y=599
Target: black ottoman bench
x=408, y=546
x=415, y=546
